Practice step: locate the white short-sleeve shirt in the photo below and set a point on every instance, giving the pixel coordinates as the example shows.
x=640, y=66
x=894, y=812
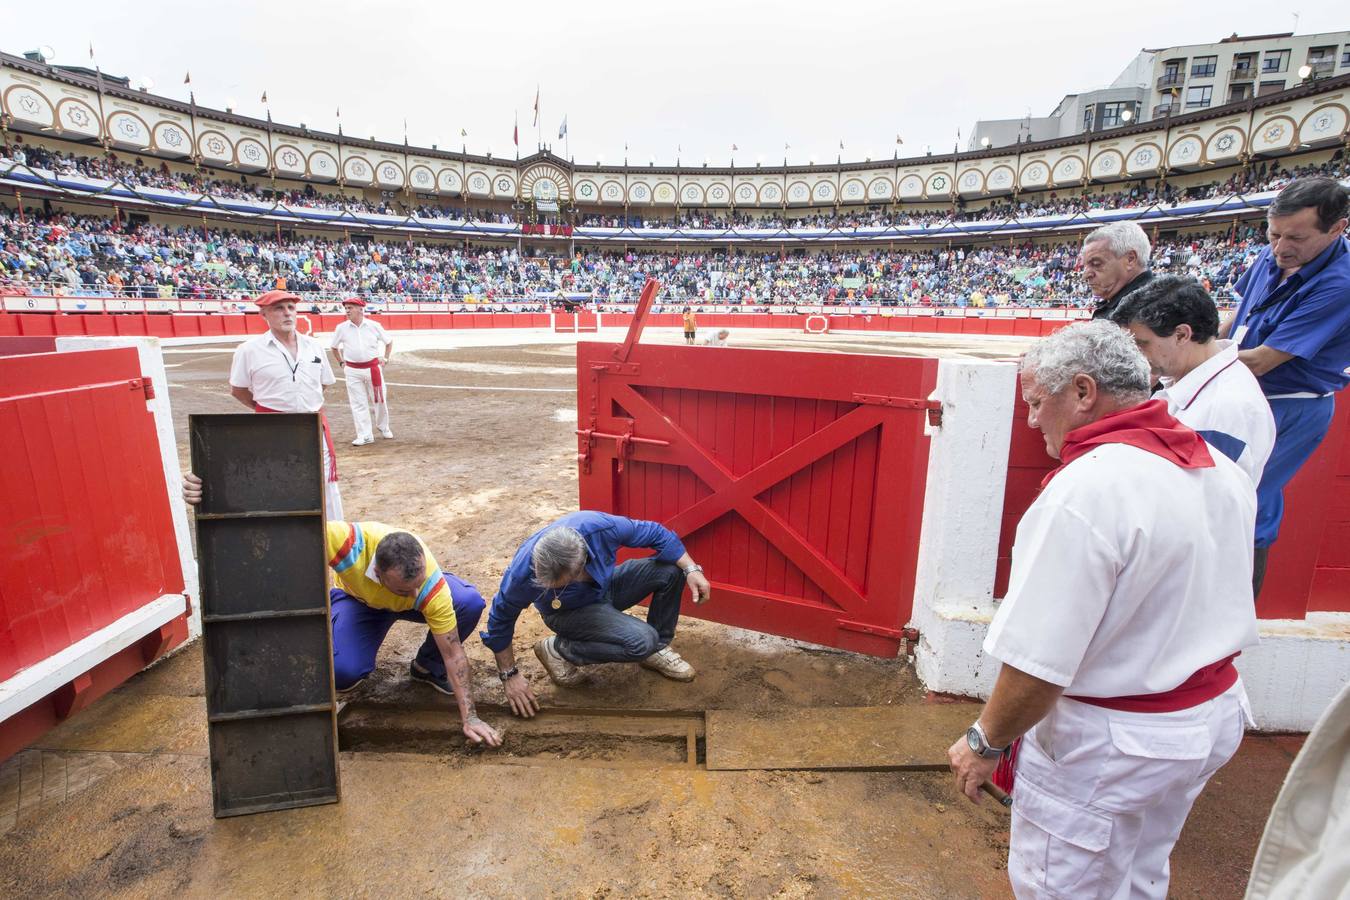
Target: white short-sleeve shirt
x=360, y=344
x=1221, y=399
x=1129, y=573
x=712, y=338
x=278, y=380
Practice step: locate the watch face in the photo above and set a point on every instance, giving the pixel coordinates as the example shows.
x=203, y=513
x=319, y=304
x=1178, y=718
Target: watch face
x=973, y=739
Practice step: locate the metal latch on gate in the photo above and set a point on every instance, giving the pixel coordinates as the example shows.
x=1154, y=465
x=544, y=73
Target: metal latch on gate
x=933, y=407
x=623, y=445
x=144, y=384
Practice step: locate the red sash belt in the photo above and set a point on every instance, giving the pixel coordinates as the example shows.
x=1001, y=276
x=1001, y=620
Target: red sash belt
x=327, y=439
x=376, y=379
x=1205, y=684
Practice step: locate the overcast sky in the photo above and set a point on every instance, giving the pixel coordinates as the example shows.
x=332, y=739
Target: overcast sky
x=695, y=74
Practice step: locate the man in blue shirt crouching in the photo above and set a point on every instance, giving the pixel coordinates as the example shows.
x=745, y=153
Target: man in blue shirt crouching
x=567, y=571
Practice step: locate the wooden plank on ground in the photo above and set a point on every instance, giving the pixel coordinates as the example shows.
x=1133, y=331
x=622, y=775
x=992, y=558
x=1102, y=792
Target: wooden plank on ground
x=853, y=737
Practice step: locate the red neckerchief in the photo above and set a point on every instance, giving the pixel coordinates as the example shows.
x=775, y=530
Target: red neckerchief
x=1148, y=426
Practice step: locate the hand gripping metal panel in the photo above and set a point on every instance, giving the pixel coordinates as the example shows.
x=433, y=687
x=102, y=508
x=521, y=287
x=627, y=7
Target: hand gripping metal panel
x=266, y=633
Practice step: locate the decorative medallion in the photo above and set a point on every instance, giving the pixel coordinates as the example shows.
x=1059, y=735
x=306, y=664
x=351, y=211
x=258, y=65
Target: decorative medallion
x=216, y=146
x=290, y=159
x=172, y=137
x=1144, y=157
x=1274, y=132
x=940, y=183
x=1225, y=142
x=745, y=193
x=505, y=186
x=76, y=115
x=1322, y=123
x=769, y=193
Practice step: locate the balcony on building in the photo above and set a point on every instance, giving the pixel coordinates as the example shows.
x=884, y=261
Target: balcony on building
x=1242, y=73
x=1171, y=80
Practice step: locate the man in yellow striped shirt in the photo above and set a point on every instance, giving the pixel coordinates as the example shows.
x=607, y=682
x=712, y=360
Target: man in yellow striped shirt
x=382, y=575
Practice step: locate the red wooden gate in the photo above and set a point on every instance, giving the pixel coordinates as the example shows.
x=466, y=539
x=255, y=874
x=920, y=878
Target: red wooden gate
x=795, y=479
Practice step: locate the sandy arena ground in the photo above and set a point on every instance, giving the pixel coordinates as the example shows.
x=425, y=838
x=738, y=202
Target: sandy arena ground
x=117, y=801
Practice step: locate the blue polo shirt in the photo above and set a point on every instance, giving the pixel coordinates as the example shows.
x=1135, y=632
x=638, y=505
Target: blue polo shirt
x=1308, y=315
x=604, y=536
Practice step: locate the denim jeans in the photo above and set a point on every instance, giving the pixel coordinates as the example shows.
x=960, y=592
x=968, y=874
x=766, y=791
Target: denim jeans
x=602, y=632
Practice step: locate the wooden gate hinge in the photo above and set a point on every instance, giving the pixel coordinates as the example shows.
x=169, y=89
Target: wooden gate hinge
x=143, y=384
x=617, y=368
x=932, y=407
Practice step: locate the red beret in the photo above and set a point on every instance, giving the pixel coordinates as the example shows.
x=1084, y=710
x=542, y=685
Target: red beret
x=271, y=297
x=353, y=301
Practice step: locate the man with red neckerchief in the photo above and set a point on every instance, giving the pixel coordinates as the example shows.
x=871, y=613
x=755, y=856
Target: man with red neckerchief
x=1130, y=596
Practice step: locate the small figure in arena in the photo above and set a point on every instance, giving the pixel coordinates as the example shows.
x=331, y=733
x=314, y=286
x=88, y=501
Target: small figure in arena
x=382, y=575
x=1129, y=598
x=284, y=371
x=362, y=347
x=716, y=338
x=567, y=571
x=690, y=325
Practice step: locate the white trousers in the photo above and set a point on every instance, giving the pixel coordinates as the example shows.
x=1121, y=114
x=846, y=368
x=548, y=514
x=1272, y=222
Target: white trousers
x=1101, y=796
x=361, y=396
x=332, y=497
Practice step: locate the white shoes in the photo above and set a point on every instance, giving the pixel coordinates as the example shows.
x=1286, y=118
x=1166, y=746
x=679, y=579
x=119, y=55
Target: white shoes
x=670, y=664
x=387, y=434
x=361, y=442
x=559, y=669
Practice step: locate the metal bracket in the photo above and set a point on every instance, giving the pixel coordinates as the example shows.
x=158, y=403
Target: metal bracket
x=623, y=445
x=143, y=384
x=617, y=368
x=932, y=407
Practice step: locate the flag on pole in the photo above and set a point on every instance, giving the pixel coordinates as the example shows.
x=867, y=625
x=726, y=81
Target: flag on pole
x=91, y=49
x=187, y=78
x=562, y=129
x=264, y=97
x=536, y=106
x=899, y=140
x=515, y=132
x=841, y=143
x=787, y=146
x=463, y=132
x=734, y=148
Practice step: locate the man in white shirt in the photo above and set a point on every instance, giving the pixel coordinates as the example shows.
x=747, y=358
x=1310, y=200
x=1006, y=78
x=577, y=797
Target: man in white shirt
x=1175, y=324
x=362, y=347
x=715, y=338
x=1130, y=595
x=285, y=371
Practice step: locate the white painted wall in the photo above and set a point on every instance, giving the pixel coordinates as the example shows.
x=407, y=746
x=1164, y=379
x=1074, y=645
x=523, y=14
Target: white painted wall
x=1291, y=677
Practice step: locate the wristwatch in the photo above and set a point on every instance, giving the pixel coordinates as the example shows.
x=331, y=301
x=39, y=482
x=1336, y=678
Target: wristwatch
x=979, y=744
x=690, y=570
x=508, y=674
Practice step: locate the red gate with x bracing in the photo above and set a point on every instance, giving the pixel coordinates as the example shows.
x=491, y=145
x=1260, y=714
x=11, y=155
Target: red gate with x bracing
x=796, y=479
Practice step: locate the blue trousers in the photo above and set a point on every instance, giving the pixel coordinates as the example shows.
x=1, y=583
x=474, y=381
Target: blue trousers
x=603, y=632
x=1300, y=426
x=359, y=630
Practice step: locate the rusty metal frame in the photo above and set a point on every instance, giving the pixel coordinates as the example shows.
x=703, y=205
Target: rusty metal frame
x=266, y=630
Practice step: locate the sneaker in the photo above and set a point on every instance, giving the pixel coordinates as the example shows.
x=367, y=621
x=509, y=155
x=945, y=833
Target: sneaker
x=559, y=669
x=442, y=684
x=387, y=434
x=361, y=442
x=670, y=664
x=351, y=687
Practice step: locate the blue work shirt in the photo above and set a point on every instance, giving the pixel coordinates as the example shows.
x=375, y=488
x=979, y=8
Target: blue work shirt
x=1308, y=315
x=604, y=536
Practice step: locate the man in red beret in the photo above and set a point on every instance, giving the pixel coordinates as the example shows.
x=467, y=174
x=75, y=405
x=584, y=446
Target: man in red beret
x=286, y=371
x=362, y=348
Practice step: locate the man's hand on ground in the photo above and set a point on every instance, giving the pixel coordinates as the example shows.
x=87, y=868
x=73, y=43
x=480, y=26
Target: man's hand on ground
x=971, y=771
x=480, y=732
x=699, y=588
x=192, y=489
x=521, y=698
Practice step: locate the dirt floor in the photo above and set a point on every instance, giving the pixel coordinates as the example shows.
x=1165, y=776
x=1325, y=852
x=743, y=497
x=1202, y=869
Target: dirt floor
x=118, y=800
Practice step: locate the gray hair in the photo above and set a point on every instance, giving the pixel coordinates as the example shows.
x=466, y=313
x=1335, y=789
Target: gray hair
x=1122, y=237
x=559, y=552
x=1099, y=349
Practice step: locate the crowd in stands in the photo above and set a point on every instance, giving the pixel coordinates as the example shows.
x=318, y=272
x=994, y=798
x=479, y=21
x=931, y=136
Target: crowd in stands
x=1138, y=195
x=67, y=254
